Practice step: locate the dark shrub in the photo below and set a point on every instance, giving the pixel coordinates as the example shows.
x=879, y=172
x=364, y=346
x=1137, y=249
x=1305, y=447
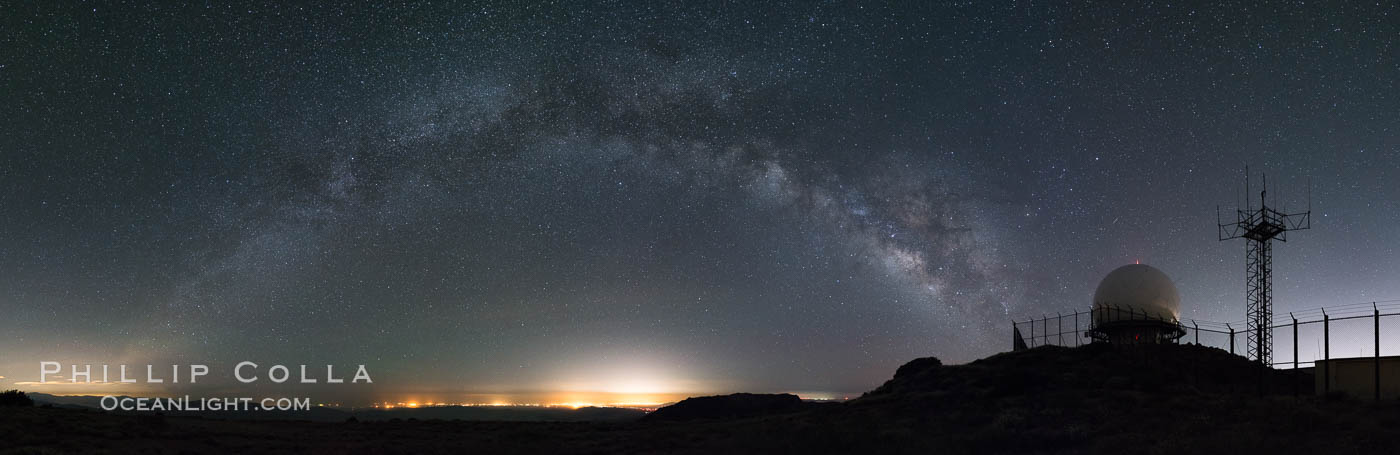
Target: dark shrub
x=15, y=398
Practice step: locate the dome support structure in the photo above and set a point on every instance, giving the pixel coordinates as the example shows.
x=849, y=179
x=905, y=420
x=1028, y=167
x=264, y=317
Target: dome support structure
x=1118, y=325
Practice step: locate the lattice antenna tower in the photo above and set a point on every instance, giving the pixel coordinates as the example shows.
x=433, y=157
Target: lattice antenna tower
x=1260, y=227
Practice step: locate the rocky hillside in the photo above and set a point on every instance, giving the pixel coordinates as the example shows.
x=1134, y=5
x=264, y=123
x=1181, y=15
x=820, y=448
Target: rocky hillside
x=1093, y=399
x=731, y=406
x=1157, y=369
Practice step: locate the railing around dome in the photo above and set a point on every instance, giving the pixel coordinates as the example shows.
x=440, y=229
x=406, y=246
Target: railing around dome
x=1334, y=329
x=1074, y=329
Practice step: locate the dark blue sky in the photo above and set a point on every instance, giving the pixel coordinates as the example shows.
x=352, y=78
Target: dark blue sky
x=674, y=198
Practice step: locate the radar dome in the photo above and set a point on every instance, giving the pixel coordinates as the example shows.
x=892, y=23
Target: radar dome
x=1136, y=292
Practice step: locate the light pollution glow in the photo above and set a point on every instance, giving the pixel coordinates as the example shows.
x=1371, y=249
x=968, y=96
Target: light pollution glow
x=578, y=400
x=620, y=383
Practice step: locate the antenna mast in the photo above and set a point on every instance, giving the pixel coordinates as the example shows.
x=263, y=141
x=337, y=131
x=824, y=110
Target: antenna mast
x=1259, y=227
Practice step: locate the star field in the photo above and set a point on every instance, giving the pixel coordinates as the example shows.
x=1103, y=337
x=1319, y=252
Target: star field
x=703, y=198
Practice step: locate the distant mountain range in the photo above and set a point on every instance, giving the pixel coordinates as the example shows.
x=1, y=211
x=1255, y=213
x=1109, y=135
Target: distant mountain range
x=326, y=414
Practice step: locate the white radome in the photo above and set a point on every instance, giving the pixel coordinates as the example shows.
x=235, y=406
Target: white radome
x=1136, y=292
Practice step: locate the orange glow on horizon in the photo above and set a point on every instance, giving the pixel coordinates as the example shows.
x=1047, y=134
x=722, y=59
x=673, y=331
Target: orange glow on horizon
x=576, y=400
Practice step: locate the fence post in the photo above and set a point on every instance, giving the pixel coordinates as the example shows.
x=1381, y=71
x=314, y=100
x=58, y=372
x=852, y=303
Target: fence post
x=1295, y=339
x=1326, y=354
x=1198, y=331
x=1295, y=353
x=1077, y=336
x=1046, y=320
x=1232, y=338
x=1060, y=327
x=1377, y=314
x=1032, y=324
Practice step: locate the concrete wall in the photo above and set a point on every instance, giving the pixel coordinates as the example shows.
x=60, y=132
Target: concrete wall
x=1356, y=377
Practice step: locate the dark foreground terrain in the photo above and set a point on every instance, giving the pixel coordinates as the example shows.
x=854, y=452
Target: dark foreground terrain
x=1093, y=399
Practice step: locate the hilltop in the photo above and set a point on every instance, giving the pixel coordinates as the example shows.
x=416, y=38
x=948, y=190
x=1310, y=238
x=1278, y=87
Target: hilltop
x=1091, y=399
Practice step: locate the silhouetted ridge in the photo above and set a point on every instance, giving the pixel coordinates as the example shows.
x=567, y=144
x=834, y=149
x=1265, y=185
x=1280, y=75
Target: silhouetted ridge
x=1168, y=399
x=1175, y=369
x=918, y=366
x=729, y=406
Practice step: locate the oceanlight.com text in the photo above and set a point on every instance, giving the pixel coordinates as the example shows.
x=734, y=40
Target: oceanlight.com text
x=113, y=403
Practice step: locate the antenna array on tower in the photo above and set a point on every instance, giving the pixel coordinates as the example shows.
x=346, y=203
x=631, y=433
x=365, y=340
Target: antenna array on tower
x=1260, y=227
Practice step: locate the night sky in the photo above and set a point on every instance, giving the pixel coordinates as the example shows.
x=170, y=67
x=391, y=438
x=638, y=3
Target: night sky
x=676, y=199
